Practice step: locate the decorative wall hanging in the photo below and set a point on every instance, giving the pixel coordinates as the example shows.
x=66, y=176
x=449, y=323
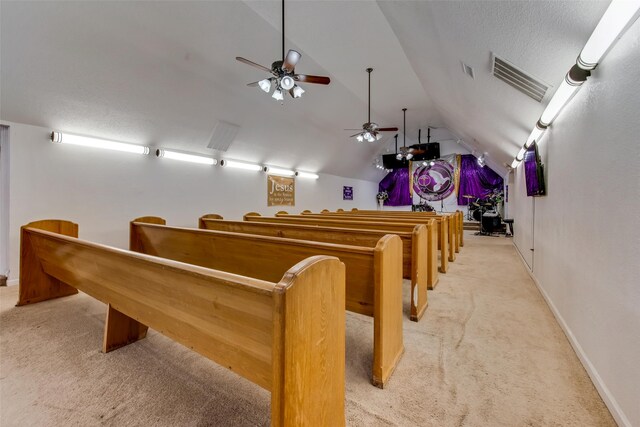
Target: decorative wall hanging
x=281, y=190
x=434, y=182
x=347, y=193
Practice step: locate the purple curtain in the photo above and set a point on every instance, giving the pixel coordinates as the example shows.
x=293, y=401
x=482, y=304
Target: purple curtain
x=475, y=180
x=396, y=184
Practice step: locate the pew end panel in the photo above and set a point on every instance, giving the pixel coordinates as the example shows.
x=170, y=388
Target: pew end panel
x=451, y=238
x=443, y=232
x=121, y=330
x=35, y=284
x=309, y=345
x=201, y=219
x=287, y=337
x=388, y=315
x=249, y=214
x=419, y=272
x=134, y=243
x=433, y=255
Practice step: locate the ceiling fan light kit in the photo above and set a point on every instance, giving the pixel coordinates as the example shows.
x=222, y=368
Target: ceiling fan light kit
x=284, y=77
x=405, y=152
x=370, y=132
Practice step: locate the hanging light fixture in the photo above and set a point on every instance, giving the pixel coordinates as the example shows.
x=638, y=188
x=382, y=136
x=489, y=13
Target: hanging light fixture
x=370, y=132
x=405, y=153
x=284, y=75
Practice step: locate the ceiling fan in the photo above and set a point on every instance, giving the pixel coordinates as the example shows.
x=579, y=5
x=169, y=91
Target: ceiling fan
x=283, y=73
x=370, y=131
x=405, y=152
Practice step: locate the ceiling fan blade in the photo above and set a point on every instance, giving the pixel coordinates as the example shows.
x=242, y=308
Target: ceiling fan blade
x=355, y=134
x=387, y=129
x=353, y=129
x=253, y=84
x=304, y=78
x=253, y=64
x=291, y=60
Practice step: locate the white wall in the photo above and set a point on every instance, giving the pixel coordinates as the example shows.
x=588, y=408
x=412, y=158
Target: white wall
x=4, y=197
x=103, y=190
x=587, y=229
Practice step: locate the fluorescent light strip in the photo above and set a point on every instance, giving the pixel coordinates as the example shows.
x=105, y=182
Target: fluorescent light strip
x=521, y=153
x=515, y=163
x=65, y=138
x=616, y=18
x=183, y=157
x=536, y=135
x=279, y=171
x=559, y=100
x=240, y=165
x=307, y=175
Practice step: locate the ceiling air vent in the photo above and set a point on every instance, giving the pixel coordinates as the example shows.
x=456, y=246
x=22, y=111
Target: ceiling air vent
x=468, y=70
x=510, y=74
x=223, y=135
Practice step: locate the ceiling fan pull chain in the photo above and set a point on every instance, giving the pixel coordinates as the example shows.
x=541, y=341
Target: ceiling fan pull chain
x=283, y=31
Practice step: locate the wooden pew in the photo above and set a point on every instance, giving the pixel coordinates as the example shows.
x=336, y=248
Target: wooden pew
x=456, y=220
x=364, y=224
x=445, y=231
x=415, y=248
x=373, y=280
x=286, y=336
x=458, y=229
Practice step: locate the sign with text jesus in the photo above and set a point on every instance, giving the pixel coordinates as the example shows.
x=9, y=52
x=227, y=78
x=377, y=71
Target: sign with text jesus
x=281, y=191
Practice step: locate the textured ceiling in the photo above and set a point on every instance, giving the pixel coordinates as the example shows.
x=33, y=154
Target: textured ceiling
x=164, y=73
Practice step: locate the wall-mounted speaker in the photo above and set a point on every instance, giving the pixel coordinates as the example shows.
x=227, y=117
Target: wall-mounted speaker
x=389, y=161
x=430, y=151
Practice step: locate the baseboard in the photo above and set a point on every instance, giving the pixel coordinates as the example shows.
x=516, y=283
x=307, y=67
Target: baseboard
x=608, y=399
x=12, y=282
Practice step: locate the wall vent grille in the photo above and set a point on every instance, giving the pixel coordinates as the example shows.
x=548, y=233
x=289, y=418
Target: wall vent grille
x=518, y=79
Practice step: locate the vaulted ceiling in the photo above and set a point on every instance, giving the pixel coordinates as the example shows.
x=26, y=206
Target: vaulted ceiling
x=164, y=73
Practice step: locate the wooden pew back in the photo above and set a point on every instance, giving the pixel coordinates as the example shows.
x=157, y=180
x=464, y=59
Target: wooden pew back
x=446, y=231
x=386, y=224
x=417, y=266
x=373, y=279
x=287, y=337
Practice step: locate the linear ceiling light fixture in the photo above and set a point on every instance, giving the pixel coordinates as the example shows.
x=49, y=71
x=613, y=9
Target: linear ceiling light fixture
x=240, y=165
x=307, y=175
x=278, y=171
x=85, y=141
x=619, y=15
x=184, y=157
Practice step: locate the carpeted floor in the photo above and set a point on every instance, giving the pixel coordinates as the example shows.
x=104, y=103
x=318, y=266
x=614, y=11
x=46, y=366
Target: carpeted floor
x=487, y=353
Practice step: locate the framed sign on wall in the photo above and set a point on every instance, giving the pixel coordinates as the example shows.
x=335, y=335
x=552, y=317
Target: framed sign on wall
x=281, y=191
x=347, y=193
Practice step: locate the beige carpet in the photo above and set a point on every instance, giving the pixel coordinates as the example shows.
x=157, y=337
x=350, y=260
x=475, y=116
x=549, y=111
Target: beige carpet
x=487, y=353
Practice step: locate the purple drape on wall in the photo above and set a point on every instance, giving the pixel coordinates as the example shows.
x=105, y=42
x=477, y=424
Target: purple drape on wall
x=396, y=184
x=475, y=180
